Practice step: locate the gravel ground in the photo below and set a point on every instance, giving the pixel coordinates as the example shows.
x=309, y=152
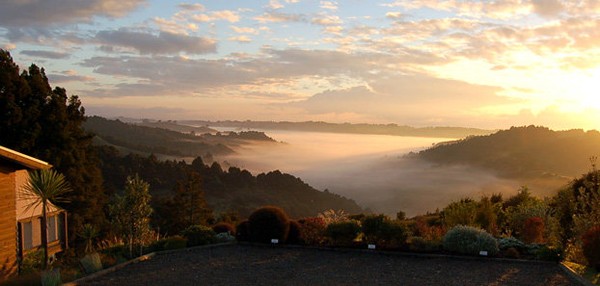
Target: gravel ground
x=265, y=265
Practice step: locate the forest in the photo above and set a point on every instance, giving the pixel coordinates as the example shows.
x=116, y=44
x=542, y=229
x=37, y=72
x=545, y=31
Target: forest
x=521, y=152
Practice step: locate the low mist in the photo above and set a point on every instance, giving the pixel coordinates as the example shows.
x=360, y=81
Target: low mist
x=372, y=170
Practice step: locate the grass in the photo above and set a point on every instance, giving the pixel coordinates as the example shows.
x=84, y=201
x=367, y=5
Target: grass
x=589, y=273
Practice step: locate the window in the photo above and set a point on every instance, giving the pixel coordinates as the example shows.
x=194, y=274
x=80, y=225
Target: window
x=51, y=223
x=27, y=235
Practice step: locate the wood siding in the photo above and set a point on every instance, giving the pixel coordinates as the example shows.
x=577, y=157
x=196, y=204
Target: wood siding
x=8, y=219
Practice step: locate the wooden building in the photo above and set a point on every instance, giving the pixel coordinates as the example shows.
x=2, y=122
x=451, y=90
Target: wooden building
x=20, y=228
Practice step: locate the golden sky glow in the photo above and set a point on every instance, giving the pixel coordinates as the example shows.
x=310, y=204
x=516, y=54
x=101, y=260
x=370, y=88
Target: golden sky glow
x=489, y=64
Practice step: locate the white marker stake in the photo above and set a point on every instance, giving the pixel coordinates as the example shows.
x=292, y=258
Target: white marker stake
x=483, y=253
x=371, y=246
x=274, y=241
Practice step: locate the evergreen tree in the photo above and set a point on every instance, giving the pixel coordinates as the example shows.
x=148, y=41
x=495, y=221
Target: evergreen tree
x=47, y=124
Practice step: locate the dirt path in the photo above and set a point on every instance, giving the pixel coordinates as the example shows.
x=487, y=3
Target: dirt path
x=256, y=265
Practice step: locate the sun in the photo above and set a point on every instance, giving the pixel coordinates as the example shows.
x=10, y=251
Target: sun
x=585, y=89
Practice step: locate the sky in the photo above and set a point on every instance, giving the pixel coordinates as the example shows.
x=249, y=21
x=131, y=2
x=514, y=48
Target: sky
x=485, y=64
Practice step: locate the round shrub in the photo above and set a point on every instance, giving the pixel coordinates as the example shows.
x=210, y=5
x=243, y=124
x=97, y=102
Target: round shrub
x=268, y=223
x=342, y=233
x=294, y=233
x=511, y=252
x=242, y=231
x=224, y=227
x=312, y=230
x=198, y=235
x=470, y=240
x=505, y=243
x=591, y=246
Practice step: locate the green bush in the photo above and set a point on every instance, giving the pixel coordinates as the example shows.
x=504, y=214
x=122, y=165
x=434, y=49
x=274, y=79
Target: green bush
x=470, y=240
x=342, y=233
x=242, y=231
x=591, y=246
x=198, y=235
x=268, y=223
x=505, y=243
x=224, y=227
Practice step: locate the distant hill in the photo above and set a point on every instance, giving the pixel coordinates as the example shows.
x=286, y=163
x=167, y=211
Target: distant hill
x=376, y=129
x=160, y=138
x=233, y=189
x=522, y=152
x=174, y=126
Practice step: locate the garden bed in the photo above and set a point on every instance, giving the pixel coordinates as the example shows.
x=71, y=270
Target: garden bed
x=281, y=265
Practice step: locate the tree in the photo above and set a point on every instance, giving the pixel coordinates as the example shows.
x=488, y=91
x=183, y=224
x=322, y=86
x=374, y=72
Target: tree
x=186, y=207
x=47, y=124
x=43, y=188
x=130, y=212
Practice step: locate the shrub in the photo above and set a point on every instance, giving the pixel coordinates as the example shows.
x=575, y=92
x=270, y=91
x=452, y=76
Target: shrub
x=420, y=244
x=533, y=230
x=168, y=243
x=268, y=223
x=198, y=235
x=591, y=246
x=174, y=242
x=548, y=253
x=91, y=263
x=242, y=231
x=294, y=233
x=511, y=242
x=51, y=277
x=425, y=229
x=224, y=237
x=224, y=227
x=312, y=230
x=372, y=227
x=470, y=240
x=511, y=252
x=342, y=233
x=463, y=212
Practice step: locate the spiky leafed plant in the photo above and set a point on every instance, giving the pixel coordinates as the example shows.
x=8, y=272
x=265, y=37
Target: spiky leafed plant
x=44, y=187
x=89, y=234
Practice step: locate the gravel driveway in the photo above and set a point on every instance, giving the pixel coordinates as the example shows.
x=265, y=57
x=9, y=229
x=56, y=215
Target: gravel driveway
x=265, y=265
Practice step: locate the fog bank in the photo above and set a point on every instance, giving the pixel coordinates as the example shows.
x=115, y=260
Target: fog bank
x=371, y=169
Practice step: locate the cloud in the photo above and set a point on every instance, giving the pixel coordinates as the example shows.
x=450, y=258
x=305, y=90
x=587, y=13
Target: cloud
x=45, y=54
x=278, y=17
x=191, y=7
x=163, y=43
x=329, y=5
x=69, y=76
x=223, y=15
x=244, y=30
x=21, y=14
x=547, y=8
x=241, y=39
x=414, y=99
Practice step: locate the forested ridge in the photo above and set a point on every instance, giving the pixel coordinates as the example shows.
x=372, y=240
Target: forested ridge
x=522, y=151
x=168, y=138
x=350, y=128
x=228, y=190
